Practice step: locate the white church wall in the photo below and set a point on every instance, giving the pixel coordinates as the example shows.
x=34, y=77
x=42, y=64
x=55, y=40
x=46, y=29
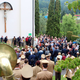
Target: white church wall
x=19, y=20
x=26, y=17
x=12, y=22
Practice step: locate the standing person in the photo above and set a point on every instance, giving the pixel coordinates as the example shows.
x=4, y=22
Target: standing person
x=55, y=54
x=1, y=38
x=27, y=72
x=22, y=60
x=14, y=41
x=19, y=41
x=70, y=44
x=64, y=50
x=27, y=38
x=42, y=58
x=6, y=39
x=63, y=56
x=44, y=74
x=29, y=41
x=50, y=64
x=59, y=54
x=35, y=41
x=36, y=54
x=40, y=53
x=17, y=71
x=36, y=69
x=22, y=41
x=57, y=74
x=18, y=54
x=75, y=52
x=32, y=59
x=78, y=54
x=70, y=72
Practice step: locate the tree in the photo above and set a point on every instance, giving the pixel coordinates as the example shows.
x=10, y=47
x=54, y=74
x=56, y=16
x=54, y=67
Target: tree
x=75, y=5
x=62, y=13
x=42, y=23
x=72, y=12
x=36, y=16
x=51, y=19
x=57, y=17
x=69, y=24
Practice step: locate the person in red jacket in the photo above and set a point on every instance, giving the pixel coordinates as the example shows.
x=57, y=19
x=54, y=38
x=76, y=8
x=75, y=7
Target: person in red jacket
x=27, y=39
x=63, y=56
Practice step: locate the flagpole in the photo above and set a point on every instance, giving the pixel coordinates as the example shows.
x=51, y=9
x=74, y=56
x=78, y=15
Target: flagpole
x=33, y=21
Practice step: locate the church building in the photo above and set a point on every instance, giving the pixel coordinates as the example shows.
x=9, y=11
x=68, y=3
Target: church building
x=16, y=18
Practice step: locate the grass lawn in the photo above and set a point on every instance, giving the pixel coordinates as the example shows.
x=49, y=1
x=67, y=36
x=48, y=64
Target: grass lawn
x=62, y=78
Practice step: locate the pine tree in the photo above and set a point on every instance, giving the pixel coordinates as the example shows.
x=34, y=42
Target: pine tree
x=57, y=17
x=63, y=13
x=36, y=16
x=50, y=21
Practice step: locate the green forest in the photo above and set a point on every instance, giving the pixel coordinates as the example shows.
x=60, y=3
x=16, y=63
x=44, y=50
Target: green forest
x=43, y=7
x=43, y=11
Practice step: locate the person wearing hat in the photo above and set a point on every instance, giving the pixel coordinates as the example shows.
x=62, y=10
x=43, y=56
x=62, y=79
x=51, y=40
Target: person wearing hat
x=44, y=74
x=26, y=62
x=17, y=71
x=22, y=53
x=70, y=72
x=22, y=60
x=36, y=69
x=50, y=64
x=59, y=55
x=27, y=72
x=15, y=50
x=57, y=74
x=42, y=58
x=77, y=54
x=58, y=58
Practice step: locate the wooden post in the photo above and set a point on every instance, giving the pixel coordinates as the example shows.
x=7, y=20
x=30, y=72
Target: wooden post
x=5, y=16
x=5, y=21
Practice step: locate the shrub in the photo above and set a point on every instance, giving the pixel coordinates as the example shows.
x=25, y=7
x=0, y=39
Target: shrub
x=74, y=37
x=69, y=34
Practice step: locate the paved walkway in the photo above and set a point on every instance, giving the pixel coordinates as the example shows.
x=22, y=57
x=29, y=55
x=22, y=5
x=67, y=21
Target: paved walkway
x=1, y=78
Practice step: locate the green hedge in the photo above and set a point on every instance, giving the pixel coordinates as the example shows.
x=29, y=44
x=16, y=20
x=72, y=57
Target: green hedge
x=74, y=37
x=77, y=75
x=69, y=34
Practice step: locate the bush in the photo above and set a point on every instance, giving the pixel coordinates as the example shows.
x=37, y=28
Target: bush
x=74, y=37
x=69, y=34
x=68, y=63
x=77, y=75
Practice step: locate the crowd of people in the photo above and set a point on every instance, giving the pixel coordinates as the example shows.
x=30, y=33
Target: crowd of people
x=20, y=41
x=43, y=55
